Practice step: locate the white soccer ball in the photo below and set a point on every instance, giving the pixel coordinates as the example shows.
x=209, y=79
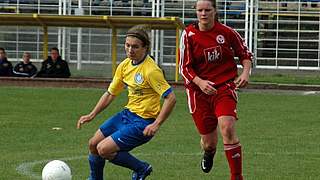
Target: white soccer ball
x=56, y=170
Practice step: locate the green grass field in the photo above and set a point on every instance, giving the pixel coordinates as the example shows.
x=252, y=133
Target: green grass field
x=279, y=133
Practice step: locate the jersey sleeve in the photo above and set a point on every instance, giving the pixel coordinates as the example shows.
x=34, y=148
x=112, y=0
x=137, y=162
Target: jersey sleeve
x=185, y=64
x=117, y=85
x=240, y=48
x=158, y=82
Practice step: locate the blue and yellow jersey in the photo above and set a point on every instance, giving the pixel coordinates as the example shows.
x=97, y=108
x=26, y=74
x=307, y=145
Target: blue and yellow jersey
x=146, y=84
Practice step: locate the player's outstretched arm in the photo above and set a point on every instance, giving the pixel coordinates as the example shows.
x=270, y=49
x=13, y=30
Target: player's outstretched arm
x=103, y=103
x=167, y=107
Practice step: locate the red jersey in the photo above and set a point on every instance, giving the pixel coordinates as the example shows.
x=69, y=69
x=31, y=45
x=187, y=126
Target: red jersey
x=210, y=54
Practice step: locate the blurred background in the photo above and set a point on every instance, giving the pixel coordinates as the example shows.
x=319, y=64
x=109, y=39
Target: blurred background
x=283, y=35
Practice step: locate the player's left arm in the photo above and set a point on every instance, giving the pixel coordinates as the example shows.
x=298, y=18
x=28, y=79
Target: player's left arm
x=243, y=79
x=245, y=56
x=161, y=86
x=167, y=107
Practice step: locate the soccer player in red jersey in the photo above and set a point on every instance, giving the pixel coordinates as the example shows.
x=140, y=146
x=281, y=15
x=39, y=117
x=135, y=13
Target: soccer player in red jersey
x=209, y=71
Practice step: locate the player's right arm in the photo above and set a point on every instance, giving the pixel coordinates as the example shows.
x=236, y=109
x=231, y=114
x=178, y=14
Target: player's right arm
x=114, y=89
x=103, y=103
x=186, y=69
x=206, y=86
x=186, y=58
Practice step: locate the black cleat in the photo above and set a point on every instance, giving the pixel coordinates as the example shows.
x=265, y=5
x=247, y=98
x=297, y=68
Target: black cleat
x=143, y=175
x=207, y=162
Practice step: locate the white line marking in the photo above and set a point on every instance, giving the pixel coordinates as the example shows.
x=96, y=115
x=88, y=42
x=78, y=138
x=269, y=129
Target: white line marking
x=309, y=92
x=26, y=168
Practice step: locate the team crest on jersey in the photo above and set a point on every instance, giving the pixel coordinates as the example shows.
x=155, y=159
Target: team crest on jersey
x=213, y=54
x=220, y=39
x=138, y=78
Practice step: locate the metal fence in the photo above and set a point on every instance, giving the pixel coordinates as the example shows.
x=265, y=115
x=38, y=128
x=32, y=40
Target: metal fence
x=281, y=34
x=287, y=34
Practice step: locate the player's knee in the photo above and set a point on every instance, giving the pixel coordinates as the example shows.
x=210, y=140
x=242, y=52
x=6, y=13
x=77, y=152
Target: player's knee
x=227, y=128
x=227, y=131
x=228, y=134
x=105, y=152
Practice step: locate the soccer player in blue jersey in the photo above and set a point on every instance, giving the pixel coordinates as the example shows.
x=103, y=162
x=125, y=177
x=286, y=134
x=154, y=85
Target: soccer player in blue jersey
x=141, y=117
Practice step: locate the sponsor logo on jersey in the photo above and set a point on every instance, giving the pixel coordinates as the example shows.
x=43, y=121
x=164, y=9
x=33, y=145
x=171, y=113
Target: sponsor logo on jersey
x=138, y=78
x=213, y=54
x=220, y=39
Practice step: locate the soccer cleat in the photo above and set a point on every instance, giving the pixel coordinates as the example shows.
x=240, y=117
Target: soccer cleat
x=142, y=176
x=207, y=162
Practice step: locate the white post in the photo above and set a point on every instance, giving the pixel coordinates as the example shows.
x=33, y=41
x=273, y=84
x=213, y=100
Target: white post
x=183, y=11
x=79, y=39
x=90, y=7
x=251, y=25
x=152, y=32
x=18, y=7
x=298, y=32
x=68, y=33
x=111, y=8
x=39, y=7
x=162, y=33
x=38, y=34
x=246, y=29
x=17, y=35
x=156, y=55
x=63, y=48
x=255, y=30
x=59, y=29
x=131, y=7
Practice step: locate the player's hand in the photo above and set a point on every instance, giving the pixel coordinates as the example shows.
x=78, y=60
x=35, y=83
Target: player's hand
x=207, y=87
x=242, y=80
x=84, y=119
x=151, y=129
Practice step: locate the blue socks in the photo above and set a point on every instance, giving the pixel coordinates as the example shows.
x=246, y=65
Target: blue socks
x=124, y=159
x=96, y=167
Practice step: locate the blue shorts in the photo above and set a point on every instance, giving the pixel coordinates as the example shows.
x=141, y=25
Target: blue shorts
x=126, y=129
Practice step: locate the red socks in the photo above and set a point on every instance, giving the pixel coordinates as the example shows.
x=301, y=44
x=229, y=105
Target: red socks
x=234, y=156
